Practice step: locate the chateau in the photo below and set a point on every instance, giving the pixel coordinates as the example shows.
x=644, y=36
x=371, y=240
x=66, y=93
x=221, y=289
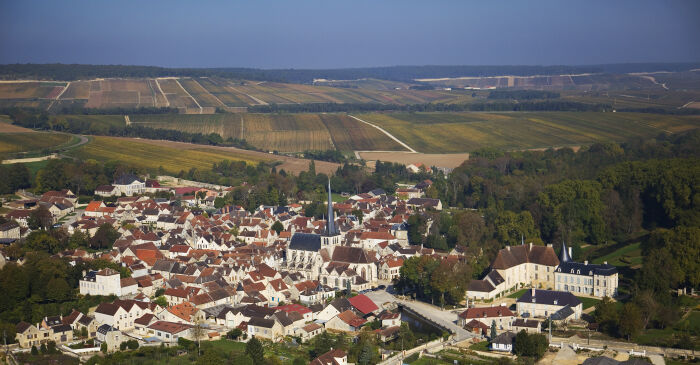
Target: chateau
x=584, y=278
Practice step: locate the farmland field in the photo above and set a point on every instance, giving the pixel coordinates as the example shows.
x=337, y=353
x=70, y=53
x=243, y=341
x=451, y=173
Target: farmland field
x=223, y=92
x=151, y=156
x=12, y=143
x=29, y=90
x=286, y=133
x=77, y=90
x=349, y=135
x=279, y=132
x=199, y=93
x=225, y=125
x=175, y=94
x=464, y=132
x=176, y=156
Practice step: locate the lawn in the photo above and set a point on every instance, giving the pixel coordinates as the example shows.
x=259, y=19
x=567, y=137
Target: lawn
x=480, y=346
x=518, y=294
x=630, y=255
x=152, y=156
x=588, y=302
x=469, y=131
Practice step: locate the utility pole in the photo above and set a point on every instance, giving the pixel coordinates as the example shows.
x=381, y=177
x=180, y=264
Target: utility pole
x=550, y=328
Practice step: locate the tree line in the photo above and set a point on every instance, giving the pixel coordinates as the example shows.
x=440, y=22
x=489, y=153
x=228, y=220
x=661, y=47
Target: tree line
x=549, y=105
x=70, y=72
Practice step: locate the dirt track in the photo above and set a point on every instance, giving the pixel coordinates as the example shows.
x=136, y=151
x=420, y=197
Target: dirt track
x=289, y=164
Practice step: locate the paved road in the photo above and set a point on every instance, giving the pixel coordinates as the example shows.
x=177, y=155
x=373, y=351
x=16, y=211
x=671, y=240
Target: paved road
x=445, y=318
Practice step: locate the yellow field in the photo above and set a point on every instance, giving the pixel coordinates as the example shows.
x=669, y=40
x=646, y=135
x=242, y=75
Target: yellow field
x=12, y=143
x=151, y=155
x=286, y=133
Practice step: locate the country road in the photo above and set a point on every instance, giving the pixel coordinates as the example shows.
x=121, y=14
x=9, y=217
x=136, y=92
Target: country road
x=385, y=132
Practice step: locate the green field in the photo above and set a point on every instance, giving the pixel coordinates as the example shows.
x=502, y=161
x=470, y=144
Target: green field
x=33, y=142
x=151, y=156
x=466, y=132
x=630, y=255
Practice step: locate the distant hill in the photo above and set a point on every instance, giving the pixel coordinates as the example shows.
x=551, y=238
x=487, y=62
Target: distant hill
x=66, y=72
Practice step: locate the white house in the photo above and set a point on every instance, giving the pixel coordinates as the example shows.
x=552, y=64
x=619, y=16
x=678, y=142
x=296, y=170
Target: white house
x=129, y=185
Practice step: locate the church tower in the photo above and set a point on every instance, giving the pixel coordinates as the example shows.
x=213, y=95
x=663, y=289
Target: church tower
x=331, y=235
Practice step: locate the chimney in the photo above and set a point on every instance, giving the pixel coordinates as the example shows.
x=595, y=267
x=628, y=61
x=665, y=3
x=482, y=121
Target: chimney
x=585, y=262
x=532, y=291
x=605, y=262
x=570, y=255
x=508, y=248
x=530, y=245
x=549, y=245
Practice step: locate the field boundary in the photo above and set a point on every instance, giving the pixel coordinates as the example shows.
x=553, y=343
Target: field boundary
x=190, y=95
x=387, y=133
x=162, y=93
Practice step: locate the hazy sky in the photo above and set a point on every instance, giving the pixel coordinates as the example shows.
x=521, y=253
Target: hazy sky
x=357, y=33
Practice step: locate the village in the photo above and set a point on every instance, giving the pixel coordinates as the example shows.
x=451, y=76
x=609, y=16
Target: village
x=200, y=273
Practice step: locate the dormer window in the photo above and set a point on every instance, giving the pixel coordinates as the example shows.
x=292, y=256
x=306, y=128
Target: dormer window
x=572, y=271
x=578, y=272
x=555, y=302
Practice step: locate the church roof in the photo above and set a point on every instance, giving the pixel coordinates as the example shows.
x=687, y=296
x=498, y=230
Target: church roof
x=305, y=242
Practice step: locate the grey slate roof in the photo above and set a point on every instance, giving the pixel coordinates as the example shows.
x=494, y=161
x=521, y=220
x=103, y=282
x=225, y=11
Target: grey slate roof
x=505, y=338
x=562, y=314
x=305, y=242
x=580, y=268
x=126, y=179
x=549, y=296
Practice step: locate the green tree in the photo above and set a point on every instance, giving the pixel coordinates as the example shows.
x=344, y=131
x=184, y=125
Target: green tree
x=606, y=315
x=34, y=350
x=78, y=239
x=631, y=321
x=161, y=301
x=234, y=334
x=365, y=356
x=57, y=290
x=103, y=347
x=40, y=218
x=254, y=349
x=493, y=330
x=104, y=237
x=277, y=227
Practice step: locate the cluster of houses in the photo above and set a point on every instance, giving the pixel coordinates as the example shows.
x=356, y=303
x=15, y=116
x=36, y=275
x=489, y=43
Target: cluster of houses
x=230, y=269
x=195, y=274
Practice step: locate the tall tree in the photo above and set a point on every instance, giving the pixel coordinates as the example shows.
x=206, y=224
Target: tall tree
x=254, y=349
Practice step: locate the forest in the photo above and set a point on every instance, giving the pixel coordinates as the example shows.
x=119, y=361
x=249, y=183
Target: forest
x=69, y=72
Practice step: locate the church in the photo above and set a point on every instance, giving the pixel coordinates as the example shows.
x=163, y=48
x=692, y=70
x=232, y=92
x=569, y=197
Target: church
x=323, y=257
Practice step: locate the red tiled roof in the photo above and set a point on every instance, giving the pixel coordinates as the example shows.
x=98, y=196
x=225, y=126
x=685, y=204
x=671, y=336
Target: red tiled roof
x=363, y=304
x=350, y=318
x=93, y=206
x=501, y=311
x=294, y=308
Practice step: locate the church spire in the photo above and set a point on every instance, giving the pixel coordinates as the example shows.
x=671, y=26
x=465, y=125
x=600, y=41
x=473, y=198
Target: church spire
x=330, y=225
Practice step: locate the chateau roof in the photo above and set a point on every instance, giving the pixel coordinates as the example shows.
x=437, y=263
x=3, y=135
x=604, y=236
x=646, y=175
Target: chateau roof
x=516, y=255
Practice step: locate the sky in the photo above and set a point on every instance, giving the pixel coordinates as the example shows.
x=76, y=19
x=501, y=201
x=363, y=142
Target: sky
x=357, y=33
